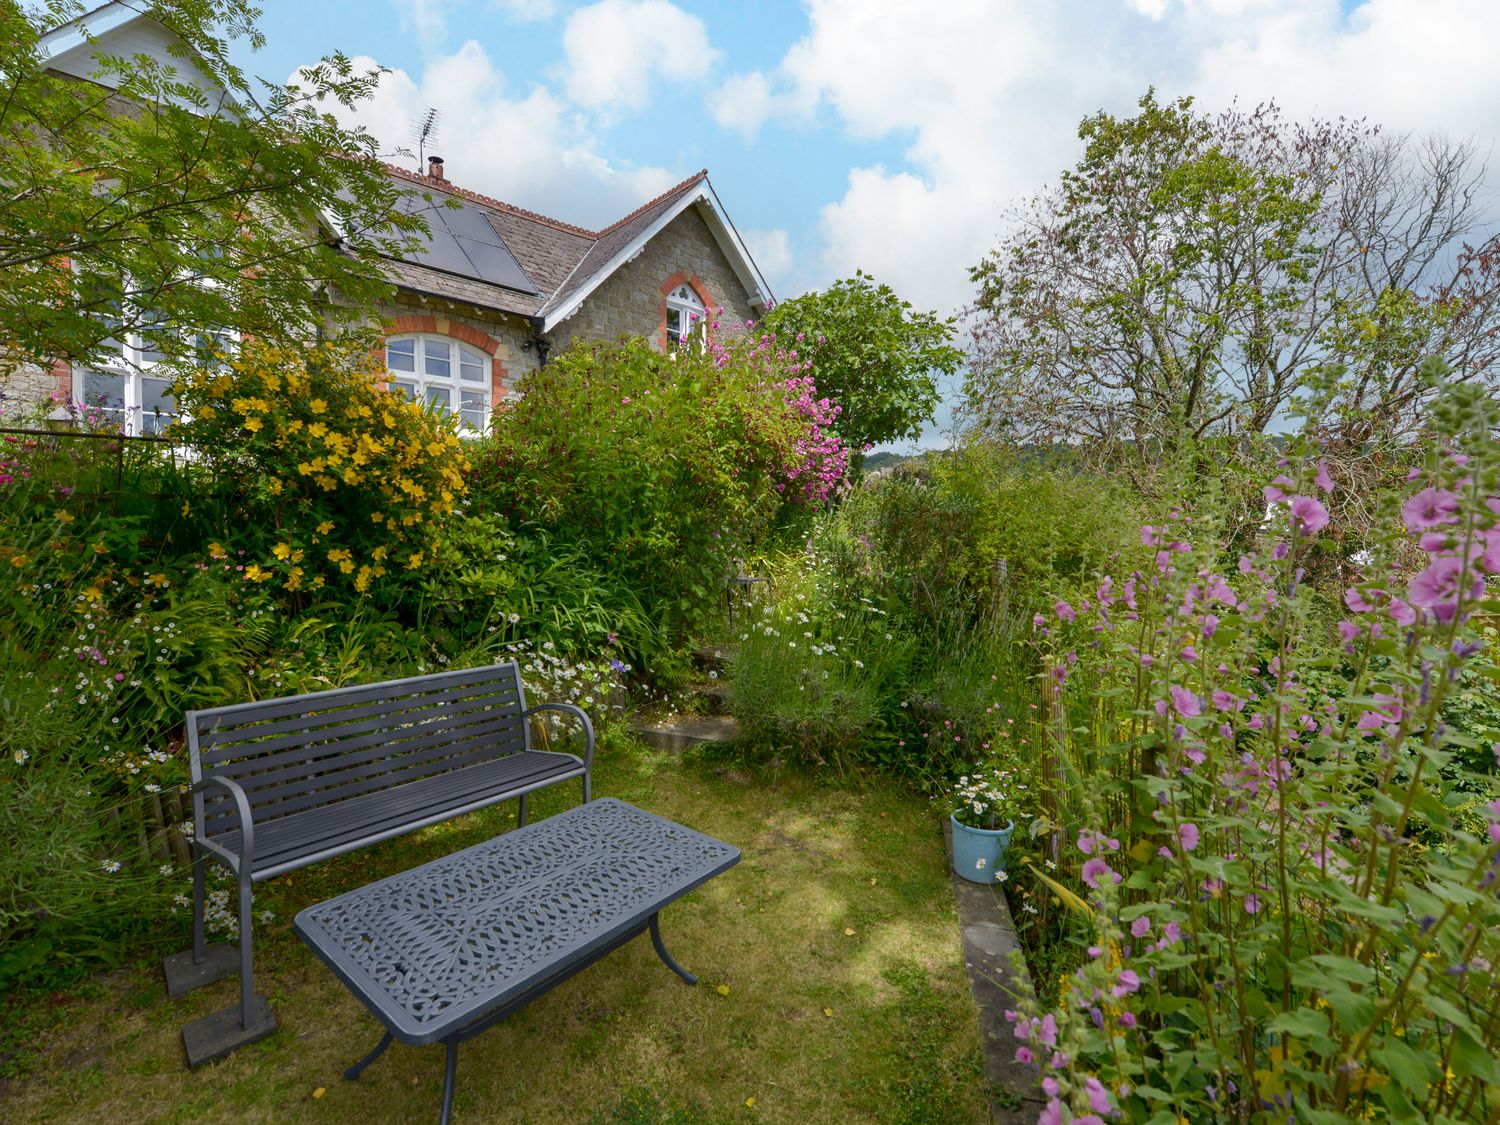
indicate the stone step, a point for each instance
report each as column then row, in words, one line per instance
column 680, row 732
column 712, row 696
column 713, row 658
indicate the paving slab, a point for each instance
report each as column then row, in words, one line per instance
column 680, row 732
column 989, row 937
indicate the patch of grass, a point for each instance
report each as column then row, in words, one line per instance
column 835, row 938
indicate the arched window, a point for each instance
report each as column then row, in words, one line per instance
column 452, row 376
column 685, row 316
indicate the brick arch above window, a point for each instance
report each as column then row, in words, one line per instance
column 668, row 287
column 411, row 324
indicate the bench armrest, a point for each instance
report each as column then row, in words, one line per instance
column 580, row 715
column 245, row 861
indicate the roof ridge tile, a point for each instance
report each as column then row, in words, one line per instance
column 702, row 174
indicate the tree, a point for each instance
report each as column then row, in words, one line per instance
column 157, row 208
column 872, row 353
column 1190, row 275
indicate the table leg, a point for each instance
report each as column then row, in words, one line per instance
column 661, row 951
column 358, row 1068
column 450, row 1080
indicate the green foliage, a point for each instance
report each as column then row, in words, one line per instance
column 875, row 355
column 656, row 469
column 183, row 214
column 1283, row 863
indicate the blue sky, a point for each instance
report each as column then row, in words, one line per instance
column 887, row 135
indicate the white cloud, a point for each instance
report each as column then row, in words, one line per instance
column 529, row 149
column 614, row 48
column 987, row 98
column 426, row 19
column 772, row 251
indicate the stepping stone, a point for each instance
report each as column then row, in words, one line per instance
column 680, row 732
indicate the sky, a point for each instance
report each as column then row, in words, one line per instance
column 893, row 136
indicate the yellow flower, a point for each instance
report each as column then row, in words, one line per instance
column 253, row 425
column 338, row 554
column 414, row 561
column 63, row 516
column 379, row 552
column 362, row 579
column 326, row 482
column 282, row 551
column 255, row 573
column 18, row 559
column 294, row 578
column 215, row 551
column 157, row 579
column 317, row 406
column 275, row 487
column 317, row 429
column 325, row 527
column 346, row 566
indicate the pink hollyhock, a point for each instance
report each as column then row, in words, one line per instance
column 1323, row 480
column 1140, row 927
column 1401, row 613
column 1098, row 1096
column 1441, row 585
column 1065, row 612
column 1051, row 1113
column 1348, row 630
column 1490, row 560
column 1046, row 1033
column 1185, row 702
column 1128, row 982
column 1094, row 869
column 1252, row 904
column 1429, row 508
column 1187, row 836
column 1310, row 513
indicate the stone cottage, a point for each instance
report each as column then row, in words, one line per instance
column 490, row 292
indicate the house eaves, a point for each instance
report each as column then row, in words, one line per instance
column 694, row 192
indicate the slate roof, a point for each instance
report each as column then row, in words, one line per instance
column 559, row 258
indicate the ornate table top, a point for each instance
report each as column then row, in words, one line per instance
column 441, row 946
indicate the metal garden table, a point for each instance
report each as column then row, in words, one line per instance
column 443, row 951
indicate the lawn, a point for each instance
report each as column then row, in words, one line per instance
column 833, row 989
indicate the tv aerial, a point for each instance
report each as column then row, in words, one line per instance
column 424, row 129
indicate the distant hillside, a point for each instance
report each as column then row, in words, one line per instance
column 875, row 462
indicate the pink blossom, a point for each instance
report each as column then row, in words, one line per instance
column 1224, row 701
column 1046, row 1032
column 1490, row 559
column 1434, row 541
column 1094, row 869
column 1252, row 904
column 1348, row 630
column 1065, row 612
column 1355, row 600
column 1098, row 1095
column 1310, row 514
column 1401, row 613
column 1429, row 508
column 1051, row 1113
column 1323, row 480
column 1148, row 536
column 1128, row 982
column 1023, row 1055
column 1185, row 702
column 1187, row 836
column 1140, row 927
column 1440, row 587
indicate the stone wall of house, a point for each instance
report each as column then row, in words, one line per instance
column 30, row 387
column 633, row 300
column 505, row 338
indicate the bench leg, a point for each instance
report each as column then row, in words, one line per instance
column 521, row 818
column 359, row 1068
column 204, row 963
column 217, row 1034
column 450, row 1081
column 661, row 951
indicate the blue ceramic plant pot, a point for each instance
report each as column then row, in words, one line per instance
column 979, row 853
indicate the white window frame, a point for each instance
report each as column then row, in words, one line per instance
column 133, row 361
column 686, row 308
column 468, row 374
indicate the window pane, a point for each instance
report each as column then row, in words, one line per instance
column 440, row 397
column 475, row 407
column 470, row 366
column 400, row 355
column 674, row 326
column 438, row 363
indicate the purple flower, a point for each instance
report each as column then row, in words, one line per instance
column 1429, row 508
column 1323, row 480
column 1252, row 904
column 1023, row 1055
column 1140, row 927
column 1441, row 585
column 1401, row 613
column 1051, row 1114
column 1310, row 513
column 1185, row 702
column 1172, row 933
column 1047, row 1030
column 1065, row 612
column 1098, row 1096
column 1187, row 836
column 1128, row 983
column 1094, row 869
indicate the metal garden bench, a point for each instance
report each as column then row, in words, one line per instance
column 283, row 783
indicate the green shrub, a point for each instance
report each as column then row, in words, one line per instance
column 657, row 470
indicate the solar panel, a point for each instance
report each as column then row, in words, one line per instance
column 463, row 242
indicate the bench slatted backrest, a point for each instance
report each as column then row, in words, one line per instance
column 311, row 751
